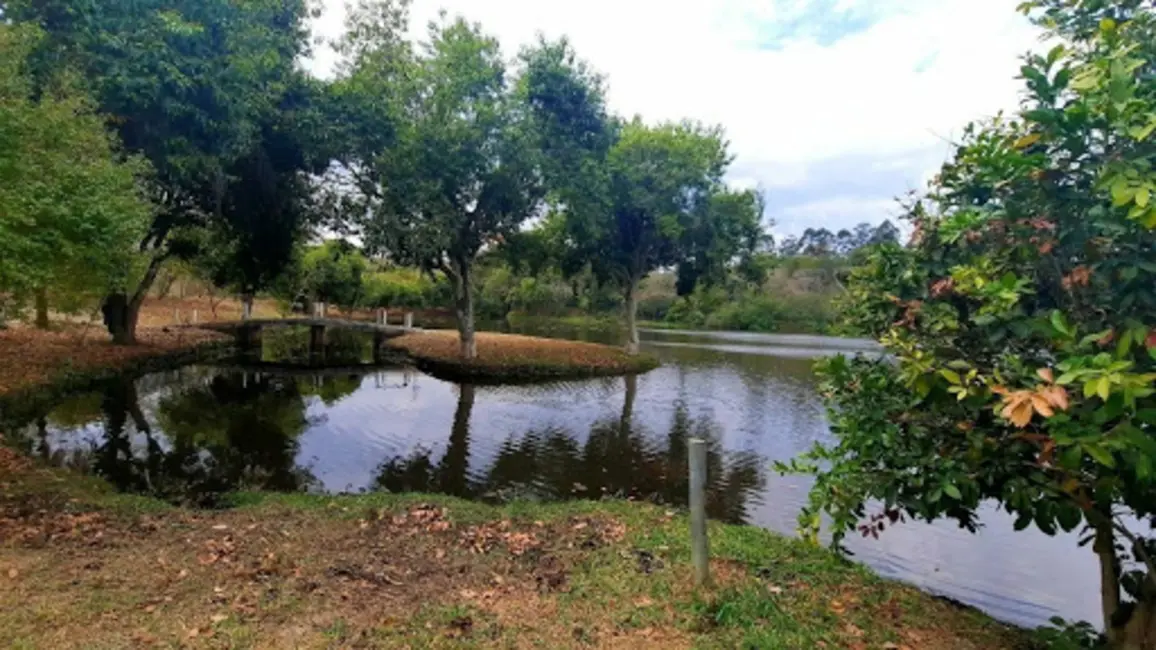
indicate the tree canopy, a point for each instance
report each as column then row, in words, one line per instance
column 192, row 86
column 462, row 173
column 72, row 205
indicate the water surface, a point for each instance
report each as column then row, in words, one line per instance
column 193, row 434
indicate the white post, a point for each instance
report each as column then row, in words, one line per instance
column 381, row 317
column 324, row 310
column 409, row 320
column 699, row 545
column 194, row 317
column 246, row 310
column 176, row 315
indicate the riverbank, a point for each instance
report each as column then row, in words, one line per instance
column 84, row 567
column 505, row 358
column 36, row 364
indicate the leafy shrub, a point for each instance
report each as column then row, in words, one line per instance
column 754, row 314
column 402, row 288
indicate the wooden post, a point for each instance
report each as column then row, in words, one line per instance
column 699, row 545
column 324, row 311
column 378, row 341
column 176, row 315
column 246, row 310
column 382, row 317
column 194, row 317
column 409, row 320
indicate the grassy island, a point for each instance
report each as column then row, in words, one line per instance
column 513, row 358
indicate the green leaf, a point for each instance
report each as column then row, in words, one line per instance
column 951, row 376
column 1060, row 322
column 1124, row 345
column 1023, row 521
column 1069, row 517
column 1100, row 455
column 1142, row 196
column 952, row 491
column 1090, row 387
column 1104, row 388
column 1072, row 457
column 1122, row 192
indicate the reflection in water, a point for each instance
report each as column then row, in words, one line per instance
column 417, row 473
column 191, row 434
column 618, row 459
column 198, row 434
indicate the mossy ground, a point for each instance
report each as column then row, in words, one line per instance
column 83, row 567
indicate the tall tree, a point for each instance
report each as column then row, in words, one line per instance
column 462, row 173
column 71, row 205
column 660, row 178
column 188, row 84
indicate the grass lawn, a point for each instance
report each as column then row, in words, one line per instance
column 81, row 567
column 511, row 357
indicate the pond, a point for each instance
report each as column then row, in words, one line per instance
column 193, row 434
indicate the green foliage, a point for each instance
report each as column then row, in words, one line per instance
column 402, row 288
column 333, row 272
column 461, row 170
column 1020, row 321
column 752, row 309
column 71, row 207
column 206, row 91
column 503, row 291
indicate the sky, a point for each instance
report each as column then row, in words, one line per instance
column 833, row 107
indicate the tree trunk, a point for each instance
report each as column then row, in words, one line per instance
column 42, row 308
column 632, row 343
column 1105, row 548
column 1139, row 633
column 121, row 313
column 464, row 306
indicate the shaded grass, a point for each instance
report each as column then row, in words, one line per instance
column 83, row 567
column 510, row 358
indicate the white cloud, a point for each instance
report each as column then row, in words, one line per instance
column 893, row 88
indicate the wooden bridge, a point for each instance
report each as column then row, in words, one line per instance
column 248, row 330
